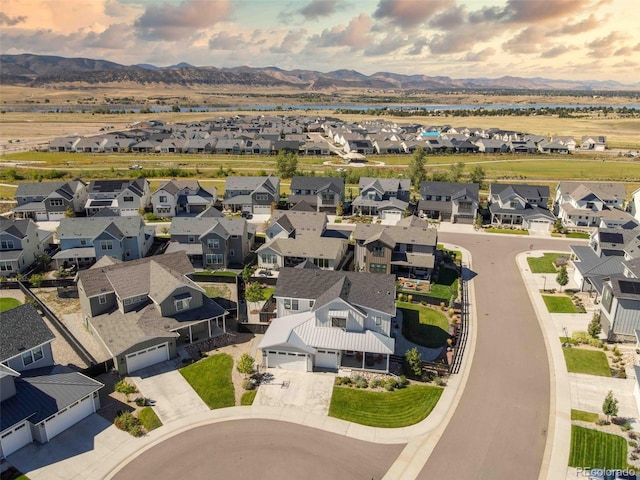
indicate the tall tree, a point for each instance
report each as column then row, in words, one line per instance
column 417, row 173
column 286, row 164
column 563, row 277
column 610, row 406
column 253, row 292
column 455, row 172
column 477, row 175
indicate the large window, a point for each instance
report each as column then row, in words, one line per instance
column 127, row 199
column 291, row 304
column 6, row 245
column 269, row 258
column 56, row 202
column 377, row 268
column 377, row 251
column 32, row 356
column 339, row 322
column 261, row 197
column 102, row 299
column 106, row 245
column 182, row 304
column 6, row 267
column 163, row 198
column 321, row 262
column 213, row 243
column 214, row 258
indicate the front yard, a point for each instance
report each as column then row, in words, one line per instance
column 591, row 362
column 399, row 408
column 507, row 231
column 544, row 264
column 211, row 379
column 423, row 325
column 559, row 304
column 592, row 448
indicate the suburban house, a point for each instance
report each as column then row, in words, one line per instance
column 83, row 240
column 407, row 248
column 596, row 143
column 142, row 311
column 21, row 242
column 620, row 305
column 328, row 320
column 209, row 242
column 251, row 194
column 324, row 193
column 386, row 198
column 38, row 399
column 634, row 205
column 585, row 204
column 520, row 204
column 182, row 197
column 449, row 201
column 48, row 201
column 125, row 197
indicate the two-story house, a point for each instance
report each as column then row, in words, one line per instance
column 595, row 143
column 177, row 197
column 253, row 195
column 141, row 311
column 49, row 201
column 327, row 319
column 449, row 201
column 620, row 305
column 386, row 198
column 210, row 242
column 21, row 242
column 324, row 193
column 83, row 240
column 38, row 399
column 585, row 204
column 520, row 204
column 407, row 248
column 125, row 197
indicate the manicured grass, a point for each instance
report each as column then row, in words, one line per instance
column 592, row 448
column 591, row 362
column 399, row 408
column 583, row 416
column 211, row 379
column 544, row 264
column 446, row 286
column 423, row 325
column 267, row 292
column 506, row 230
column 248, row 397
column 559, row 304
column 8, row 304
column 578, row 235
column 149, row 419
column 218, row 273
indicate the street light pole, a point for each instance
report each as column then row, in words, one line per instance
column 544, row 288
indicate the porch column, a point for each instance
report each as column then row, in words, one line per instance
column 209, row 325
column 224, row 323
column 190, row 336
column 388, row 357
column 364, row 354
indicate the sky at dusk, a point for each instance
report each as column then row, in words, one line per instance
column 561, row 39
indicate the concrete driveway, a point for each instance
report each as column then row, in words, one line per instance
column 307, row 391
column 588, row 393
column 173, row 397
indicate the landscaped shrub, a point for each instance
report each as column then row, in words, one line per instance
column 390, row 384
column 343, row 380
column 361, row 383
column 632, row 435
column 626, row 426
column 616, row 351
column 125, row 387
column 402, row 381
column 600, row 422
column 439, row 381
column 127, row 422
column 633, row 443
column 375, row 383
column 248, row 384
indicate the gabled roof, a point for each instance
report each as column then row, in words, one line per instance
column 210, row 212
column 269, row 184
column 307, row 247
column 299, row 221
column 18, row 228
column 383, row 185
column 602, row 190
column 91, row 227
column 449, row 189
column 302, row 206
column 525, row 191
column 116, row 186
column 21, row 329
column 402, row 233
column 200, row 226
column 315, row 184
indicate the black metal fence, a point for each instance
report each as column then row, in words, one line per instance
column 463, row 330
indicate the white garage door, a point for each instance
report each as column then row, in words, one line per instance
column 15, row 439
column 326, row 359
column 145, row 358
column 539, row 225
column 56, row 216
column 69, row 416
column 391, row 215
column 262, row 209
column 287, row 361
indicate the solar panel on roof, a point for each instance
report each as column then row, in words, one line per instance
column 629, row 287
column 611, row 237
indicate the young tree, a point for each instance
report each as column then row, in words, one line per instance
column 253, row 292
column 69, row 213
column 36, row 280
column 340, row 209
column 245, row 364
column 247, row 273
column 417, row 173
column 455, row 172
column 595, row 327
column 286, row 164
column 563, row 277
column 414, row 361
column 477, row 175
column 610, row 406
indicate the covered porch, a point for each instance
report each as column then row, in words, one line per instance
column 201, row 330
column 376, row 362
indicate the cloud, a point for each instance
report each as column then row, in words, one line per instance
column 459, row 40
column 11, row 21
column 526, row 11
column 117, row 36
column 418, row 45
column 452, row 18
column 627, row 50
column 41, row 41
column 527, row 41
column 355, row 35
column 225, row 41
column 585, row 25
column 409, row 13
column 390, row 43
column 291, row 40
column 482, row 55
column 169, row 22
column 318, row 8
column 556, row 51
column 604, row 46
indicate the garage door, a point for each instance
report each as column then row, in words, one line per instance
column 391, row 215
column 145, row 358
column 69, row 416
column 15, row 439
column 287, row 361
column 262, row 209
column 326, row 359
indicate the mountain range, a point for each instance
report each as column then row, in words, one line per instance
column 43, row 70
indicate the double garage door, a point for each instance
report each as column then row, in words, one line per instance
column 262, row 209
column 147, row 357
column 69, row 416
column 15, row 439
column 287, row 360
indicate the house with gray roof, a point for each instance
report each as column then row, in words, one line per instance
column 584, row 204
column 331, row 319
column 84, row 240
column 125, row 197
column 182, row 197
column 522, row 205
column 38, row 399
column 448, row 201
column 386, row 198
column 251, row 194
column 325, row 193
column 142, row 311
column 49, row 201
column 211, row 242
column 21, row 242
column 620, row 308
column 407, row 248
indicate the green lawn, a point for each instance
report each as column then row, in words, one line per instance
column 248, row 397
column 211, row 379
column 559, row 304
column 149, row 419
column 506, row 230
column 544, row 264
column 578, row 235
column 423, row 325
column 592, row 362
column 267, row 292
column 8, row 304
column 446, row 286
column 455, row 254
column 399, row 408
column 591, row 448
column 584, row 416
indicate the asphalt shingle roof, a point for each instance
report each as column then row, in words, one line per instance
column 21, row 329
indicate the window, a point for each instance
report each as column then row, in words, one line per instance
column 32, row 356
column 291, row 304
column 321, row 262
column 269, row 258
column 339, row 322
column 378, row 320
column 607, row 299
column 5, row 267
column 213, row 243
column 102, row 299
column 214, row 258
column 232, row 253
column 261, row 197
column 377, row 251
column 106, row 245
column 377, row 268
column 6, row 244
column 127, row 199
column 56, row 202
column 83, row 242
column 163, row 198
column 182, row 304
column 513, row 204
column 191, row 239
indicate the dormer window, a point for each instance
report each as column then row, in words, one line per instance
column 339, row 322
column 32, row 356
column 182, row 303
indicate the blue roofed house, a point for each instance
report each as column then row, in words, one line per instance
column 38, row 399
column 328, row 320
column 182, row 197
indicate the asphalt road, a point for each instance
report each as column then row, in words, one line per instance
column 261, row 449
column 499, row 430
